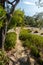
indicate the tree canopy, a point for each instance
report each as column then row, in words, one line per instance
column 17, row 18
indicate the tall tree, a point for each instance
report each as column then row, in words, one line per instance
column 6, row 21
column 18, row 18
column 39, row 3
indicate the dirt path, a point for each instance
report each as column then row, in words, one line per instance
column 18, row 47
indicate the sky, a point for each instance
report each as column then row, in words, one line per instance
column 29, row 7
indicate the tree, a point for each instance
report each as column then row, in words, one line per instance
column 29, row 21
column 39, row 3
column 17, row 18
column 7, row 19
column 2, row 13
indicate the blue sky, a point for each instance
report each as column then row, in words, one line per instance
column 29, row 7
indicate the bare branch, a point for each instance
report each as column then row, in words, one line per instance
column 13, row 5
column 13, row 1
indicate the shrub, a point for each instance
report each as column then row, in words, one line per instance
column 34, row 39
column 35, row 42
column 3, row 58
column 24, row 34
column 40, row 61
column 29, row 30
column 34, row 51
column 10, row 40
column 1, row 63
column 27, row 43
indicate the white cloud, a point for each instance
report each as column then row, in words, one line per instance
column 29, row 3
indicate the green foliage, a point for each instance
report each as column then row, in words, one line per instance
column 34, row 42
column 1, row 24
column 2, row 13
column 34, row 22
column 24, row 34
column 29, row 21
column 17, row 19
column 39, row 23
column 1, row 63
column 10, row 40
column 3, row 58
column 40, row 61
column 27, row 43
column 34, row 51
column 34, row 39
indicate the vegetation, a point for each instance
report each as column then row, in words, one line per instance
column 7, row 19
column 24, row 34
column 34, row 42
column 17, row 19
column 34, row 39
column 40, row 61
column 33, row 21
column 10, row 40
column 2, row 14
column 3, row 58
column 34, row 51
column 29, row 21
column 2, row 11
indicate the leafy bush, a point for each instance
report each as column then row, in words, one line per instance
column 34, row 51
column 3, row 58
column 24, row 34
column 27, row 43
column 31, row 40
column 40, row 61
column 10, row 40
column 1, row 63
column 34, row 39
column 17, row 18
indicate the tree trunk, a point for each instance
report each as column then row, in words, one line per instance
column 4, row 31
column 0, row 38
column 4, row 28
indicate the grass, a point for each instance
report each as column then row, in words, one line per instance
column 34, row 42
column 10, row 40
